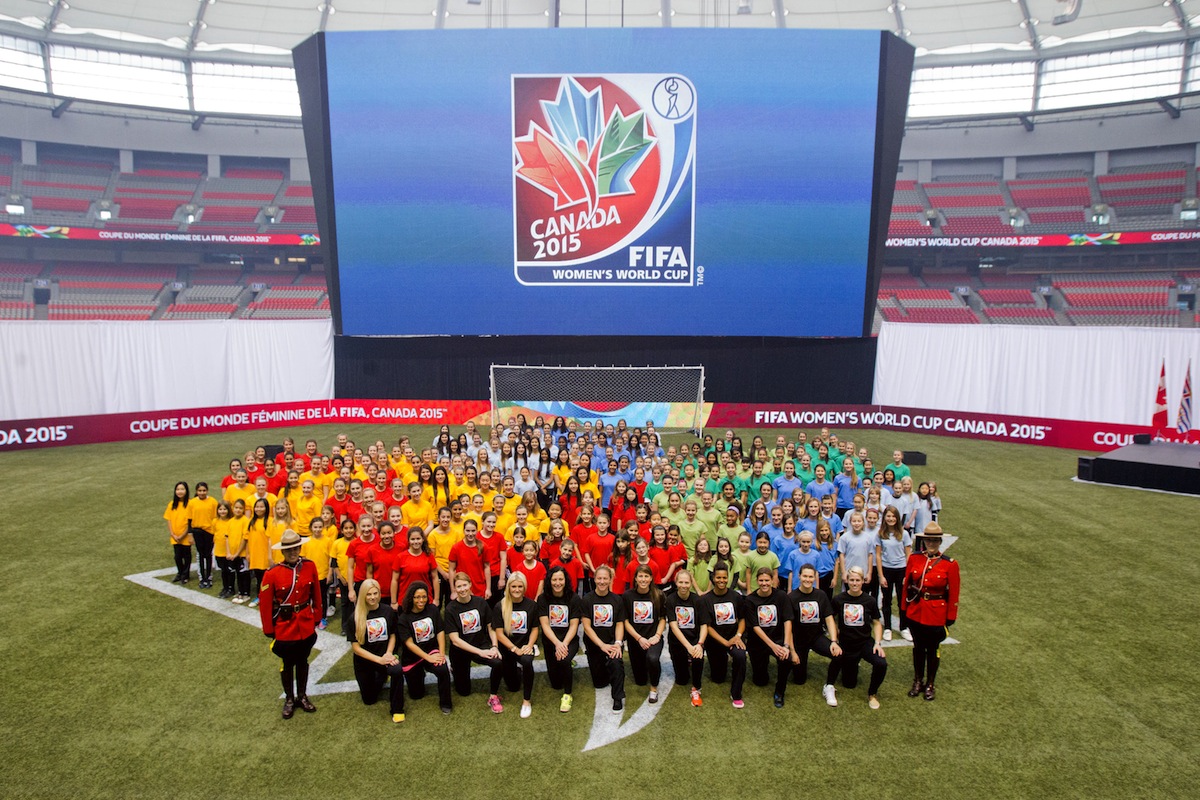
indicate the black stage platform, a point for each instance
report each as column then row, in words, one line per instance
column 1167, row 466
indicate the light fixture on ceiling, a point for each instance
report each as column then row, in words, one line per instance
column 14, row 205
column 744, row 7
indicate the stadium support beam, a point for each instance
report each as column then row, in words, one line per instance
column 896, row 9
column 439, row 14
column 52, row 20
column 1030, row 25
column 780, row 14
column 198, row 25
column 554, row 11
column 1180, row 17
column 664, row 11
column 326, row 9
column 1026, row 123
column 62, row 107
column 198, row 121
column 1167, row 106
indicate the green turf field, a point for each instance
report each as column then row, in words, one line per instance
column 1074, row 676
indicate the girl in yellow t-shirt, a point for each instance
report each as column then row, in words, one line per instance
column 258, row 546
column 220, row 533
column 316, row 550
column 239, row 547
column 179, row 529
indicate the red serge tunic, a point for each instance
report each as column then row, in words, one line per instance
column 295, row 586
column 937, row 602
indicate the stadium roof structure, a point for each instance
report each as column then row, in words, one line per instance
column 973, row 56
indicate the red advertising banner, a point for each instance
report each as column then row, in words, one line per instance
column 1047, row 240
column 53, row 432
column 106, row 235
column 1071, row 434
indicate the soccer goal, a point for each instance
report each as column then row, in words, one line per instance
column 672, row 397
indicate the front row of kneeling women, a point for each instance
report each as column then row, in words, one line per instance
column 721, row 625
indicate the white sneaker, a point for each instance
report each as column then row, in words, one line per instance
column 526, row 711
column 887, row 634
column 830, row 695
column 906, row 635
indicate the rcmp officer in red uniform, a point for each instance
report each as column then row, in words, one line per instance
column 290, row 607
column 930, row 601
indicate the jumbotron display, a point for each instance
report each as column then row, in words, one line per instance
column 648, row 182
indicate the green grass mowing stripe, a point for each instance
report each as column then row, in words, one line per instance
column 1074, row 677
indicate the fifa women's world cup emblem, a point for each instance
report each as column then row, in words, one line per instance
column 604, row 179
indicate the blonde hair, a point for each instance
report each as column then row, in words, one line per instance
column 506, row 605
column 361, row 610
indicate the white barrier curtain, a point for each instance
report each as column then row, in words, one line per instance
column 1097, row 374
column 79, row 368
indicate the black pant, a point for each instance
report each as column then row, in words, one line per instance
column 847, row 664
column 606, row 671
column 242, row 573
column 348, row 607
column 646, row 664
column 372, row 676
column 760, row 659
column 183, row 559
column 227, row 577
column 460, row 668
column 895, row 579
column 825, row 584
column 204, row 553
column 258, row 576
column 561, row 674
column 926, row 650
column 686, row 666
column 718, row 664
column 518, row 672
column 819, row 644
column 294, row 655
column 415, row 676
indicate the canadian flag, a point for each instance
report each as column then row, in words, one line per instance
column 1159, row 421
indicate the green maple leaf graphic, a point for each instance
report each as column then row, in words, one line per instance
column 622, row 148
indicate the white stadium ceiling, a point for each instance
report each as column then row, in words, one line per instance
column 974, row 57
column 273, row 27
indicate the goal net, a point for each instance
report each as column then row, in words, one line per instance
column 671, row 397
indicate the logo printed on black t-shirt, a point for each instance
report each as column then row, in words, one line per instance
column 558, row 616
column 810, row 612
column 469, row 620
column 643, row 612
column 377, row 630
column 685, row 616
column 724, row 613
column 768, row 616
column 422, row 629
column 602, row 615
column 853, row 614
column 519, row 622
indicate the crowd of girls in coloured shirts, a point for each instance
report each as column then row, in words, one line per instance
column 496, row 546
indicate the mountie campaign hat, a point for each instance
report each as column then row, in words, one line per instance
column 289, row 541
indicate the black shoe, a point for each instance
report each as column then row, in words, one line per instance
column 447, row 709
column 779, row 701
column 177, row 579
column 618, row 706
column 305, row 704
column 289, row 708
column 929, row 693
column 917, row 688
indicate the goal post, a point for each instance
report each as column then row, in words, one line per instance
column 671, row 396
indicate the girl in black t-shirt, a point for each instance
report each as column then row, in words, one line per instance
column 559, row 611
column 769, row 616
column 644, row 627
column 424, row 645
column 725, row 618
column 468, row 627
column 515, row 621
column 687, row 634
column 860, row 634
column 604, row 632
column 373, row 640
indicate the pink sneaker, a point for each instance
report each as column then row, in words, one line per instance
column 495, row 705
column 738, row 704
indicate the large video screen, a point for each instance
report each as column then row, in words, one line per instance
column 657, row 182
